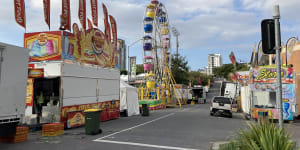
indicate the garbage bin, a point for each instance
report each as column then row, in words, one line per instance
column 145, row 110
column 92, row 121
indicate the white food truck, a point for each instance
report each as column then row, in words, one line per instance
column 13, row 77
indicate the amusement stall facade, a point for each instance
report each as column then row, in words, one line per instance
column 72, row 71
column 263, row 93
column 258, row 95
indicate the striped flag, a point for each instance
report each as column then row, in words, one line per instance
column 46, row 4
column 20, row 12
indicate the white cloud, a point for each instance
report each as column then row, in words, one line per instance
column 203, row 24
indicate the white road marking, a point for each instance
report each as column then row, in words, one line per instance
column 135, row 126
column 145, row 145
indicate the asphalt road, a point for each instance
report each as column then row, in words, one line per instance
column 190, row 127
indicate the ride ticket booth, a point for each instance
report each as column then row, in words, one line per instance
column 263, row 93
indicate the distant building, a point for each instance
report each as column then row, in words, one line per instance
column 122, row 50
column 214, row 60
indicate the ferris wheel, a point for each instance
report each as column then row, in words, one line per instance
column 156, row 40
column 159, row 86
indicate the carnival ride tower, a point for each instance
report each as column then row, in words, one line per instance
column 159, row 87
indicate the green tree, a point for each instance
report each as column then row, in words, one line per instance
column 139, row 69
column 223, row 71
column 226, row 69
column 180, row 69
column 194, row 75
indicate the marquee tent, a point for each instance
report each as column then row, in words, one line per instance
column 129, row 99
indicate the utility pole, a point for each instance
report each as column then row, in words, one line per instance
column 176, row 33
column 276, row 17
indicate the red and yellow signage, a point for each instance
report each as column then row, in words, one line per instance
column 75, row 119
column 43, row 45
column 82, row 13
column 90, row 47
column 268, row 74
column 29, row 93
column 36, row 73
column 70, row 116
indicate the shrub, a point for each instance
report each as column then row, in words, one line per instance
column 264, row 135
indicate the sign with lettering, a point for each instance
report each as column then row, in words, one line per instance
column 20, row 12
column 29, row 92
column 36, row 73
column 75, row 119
column 243, row 77
column 268, row 74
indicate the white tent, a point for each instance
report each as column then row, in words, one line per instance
column 245, row 99
column 124, row 78
column 129, row 99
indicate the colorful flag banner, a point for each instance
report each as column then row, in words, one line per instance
column 113, row 25
column 253, row 61
column 82, row 13
column 94, row 8
column 132, row 74
column 90, row 25
column 106, row 24
column 232, row 59
column 46, row 4
column 20, row 12
column 66, row 13
column 290, row 44
column 199, row 80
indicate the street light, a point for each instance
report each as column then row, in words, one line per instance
column 128, row 72
column 286, row 49
column 176, row 33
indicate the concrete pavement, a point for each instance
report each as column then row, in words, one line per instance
column 188, row 128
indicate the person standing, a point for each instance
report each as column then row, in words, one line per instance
column 40, row 102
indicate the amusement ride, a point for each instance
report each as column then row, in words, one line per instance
column 159, row 89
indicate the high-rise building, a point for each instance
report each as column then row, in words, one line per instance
column 214, row 60
column 122, row 50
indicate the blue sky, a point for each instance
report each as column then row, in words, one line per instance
column 206, row 26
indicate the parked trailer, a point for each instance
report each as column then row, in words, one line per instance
column 69, row 89
column 13, row 78
column 197, row 94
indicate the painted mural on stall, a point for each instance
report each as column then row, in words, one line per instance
column 90, row 47
column 43, row 46
column 73, row 116
column 289, row 100
column 268, row 74
column 264, row 79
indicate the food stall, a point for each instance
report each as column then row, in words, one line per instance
column 71, row 72
column 263, row 92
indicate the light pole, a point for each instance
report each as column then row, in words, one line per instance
column 276, row 17
column 176, row 33
column 129, row 72
column 286, row 49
